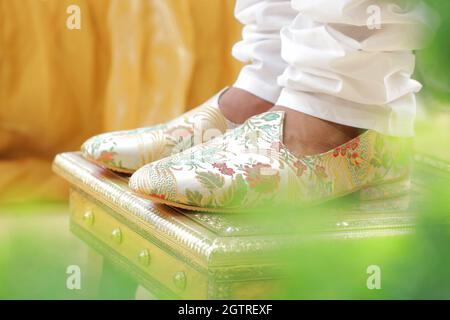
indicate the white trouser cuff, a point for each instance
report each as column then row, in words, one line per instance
column 395, row 119
column 262, row 86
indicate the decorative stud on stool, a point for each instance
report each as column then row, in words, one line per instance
column 89, row 217
column 144, row 257
column 179, row 279
column 116, row 235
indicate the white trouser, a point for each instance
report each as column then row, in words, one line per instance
column 345, row 61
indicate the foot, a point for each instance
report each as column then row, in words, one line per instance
column 127, row 151
column 306, row 135
column 238, row 105
column 248, row 168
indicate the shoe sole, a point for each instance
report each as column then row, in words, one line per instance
column 397, row 201
column 190, row 208
column 105, row 166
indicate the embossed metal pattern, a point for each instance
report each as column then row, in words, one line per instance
column 111, row 189
column 172, row 272
column 433, row 163
column 207, row 239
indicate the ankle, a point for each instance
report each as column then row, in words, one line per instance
column 307, row 135
column 238, row 105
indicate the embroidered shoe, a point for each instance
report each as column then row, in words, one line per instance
column 249, row 168
column 126, row 151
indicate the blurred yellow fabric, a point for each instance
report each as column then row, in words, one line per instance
column 133, row 63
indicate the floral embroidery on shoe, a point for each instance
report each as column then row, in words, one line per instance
column 262, row 178
column 223, row 168
column 106, row 156
column 180, row 132
column 127, row 151
column 381, row 158
column 109, row 157
column 250, row 168
column 270, row 116
column 355, row 159
column 210, row 180
column 321, row 172
column 347, row 149
column 277, row 146
column 301, row 168
column 350, row 150
column 194, row 197
column 158, row 196
column 354, row 144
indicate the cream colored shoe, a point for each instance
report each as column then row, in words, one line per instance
column 127, row 151
column 249, row 168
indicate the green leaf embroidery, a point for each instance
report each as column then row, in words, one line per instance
column 194, row 197
column 379, row 145
column 210, row 181
column 386, row 160
column 375, row 163
column 266, row 127
column 235, row 194
column 209, row 202
column 270, row 116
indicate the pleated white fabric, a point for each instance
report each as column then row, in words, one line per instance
column 261, row 45
column 345, row 61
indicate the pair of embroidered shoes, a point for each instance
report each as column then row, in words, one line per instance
column 247, row 167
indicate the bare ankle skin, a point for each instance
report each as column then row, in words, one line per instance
column 307, row 135
column 238, row 105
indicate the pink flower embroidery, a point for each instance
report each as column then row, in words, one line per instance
column 277, row 145
column 355, row 159
column 180, row 132
column 337, row 152
column 106, row 156
column 223, row 168
column 345, row 150
column 159, row 196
